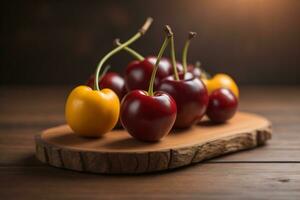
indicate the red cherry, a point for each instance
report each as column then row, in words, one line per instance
column 111, row 80
column 90, row 82
column 138, row 73
column 148, row 118
column 114, row 82
column 194, row 70
column 222, row 105
column 190, row 95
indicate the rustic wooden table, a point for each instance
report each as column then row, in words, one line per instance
column 269, row 172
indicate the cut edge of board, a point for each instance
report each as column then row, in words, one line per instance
column 145, row 162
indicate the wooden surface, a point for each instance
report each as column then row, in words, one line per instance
column 269, row 172
column 118, row 153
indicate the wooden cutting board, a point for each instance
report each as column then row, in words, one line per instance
column 118, row 153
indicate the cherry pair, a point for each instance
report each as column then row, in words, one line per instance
column 150, row 116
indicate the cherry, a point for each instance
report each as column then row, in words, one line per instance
column 111, row 80
column 149, row 116
column 114, row 81
column 188, row 91
column 191, row 98
column 195, row 69
column 91, row 81
column 222, row 105
column 138, row 72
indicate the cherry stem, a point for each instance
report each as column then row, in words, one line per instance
column 141, row 32
column 131, row 51
column 198, row 64
column 105, row 70
column 161, row 52
column 185, row 50
column 173, row 58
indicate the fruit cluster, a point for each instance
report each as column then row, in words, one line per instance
column 156, row 94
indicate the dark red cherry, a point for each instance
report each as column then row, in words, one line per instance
column 112, row 81
column 190, row 95
column 222, row 105
column 166, row 64
column 148, row 118
column 138, row 73
column 90, row 82
column 194, row 70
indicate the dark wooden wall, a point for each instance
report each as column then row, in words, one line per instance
column 60, row 42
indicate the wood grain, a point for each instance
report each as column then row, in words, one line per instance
column 269, row 172
column 118, row 153
column 204, row 181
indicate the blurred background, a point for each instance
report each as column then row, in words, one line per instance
column 61, row 42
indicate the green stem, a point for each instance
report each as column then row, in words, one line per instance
column 185, row 51
column 184, row 55
column 103, row 74
column 141, row 32
column 198, row 64
column 161, row 51
column 131, row 51
column 173, row 58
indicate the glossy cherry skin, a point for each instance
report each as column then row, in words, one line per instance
column 90, row 81
column 222, row 105
column 138, row 73
column 190, row 95
column 112, row 81
column 194, row 70
column 148, row 118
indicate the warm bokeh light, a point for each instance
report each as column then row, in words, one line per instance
column 246, row 38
